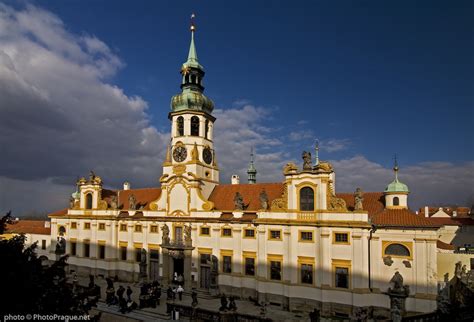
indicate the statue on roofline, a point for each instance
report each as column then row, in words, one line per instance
column 264, row 200
column 238, row 201
column 166, row 234
column 358, row 199
column 307, row 162
column 132, row 202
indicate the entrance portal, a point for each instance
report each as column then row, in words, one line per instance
column 178, row 266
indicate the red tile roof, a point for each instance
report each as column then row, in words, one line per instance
column 461, row 212
column 443, row 221
column 29, row 227
column 401, row 218
column 223, row 195
column 443, row 245
column 143, row 196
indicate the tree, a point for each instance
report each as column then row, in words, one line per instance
column 30, row 287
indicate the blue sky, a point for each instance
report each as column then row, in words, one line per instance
column 367, row 78
column 393, row 77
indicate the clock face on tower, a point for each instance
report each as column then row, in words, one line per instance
column 207, row 155
column 179, row 154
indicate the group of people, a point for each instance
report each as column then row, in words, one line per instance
column 118, row 298
column 172, row 292
column 150, row 294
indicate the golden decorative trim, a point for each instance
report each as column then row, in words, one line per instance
column 208, row 206
column 408, row 245
column 153, row 206
column 179, row 169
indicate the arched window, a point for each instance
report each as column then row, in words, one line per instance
column 193, row 79
column 206, row 129
column 180, row 126
column 396, row 201
column 61, row 231
column 195, row 126
column 397, row 250
column 306, row 199
column 89, row 201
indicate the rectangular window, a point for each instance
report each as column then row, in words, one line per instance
column 227, row 264
column 250, row 266
column 87, row 225
column 87, row 249
column 275, row 234
column 102, row 251
column 306, row 273
column 123, row 227
column 205, row 231
column 101, row 226
column 306, row 235
column 342, row 277
column 74, row 225
column 153, row 228
column 43, row 244
column 341, row 238
column 226, row 232
column 205, row 258
column 138, row 254
column 123, row 253
column 138, row 228
column 275, row 270
column 249, row 233
column 73, row 249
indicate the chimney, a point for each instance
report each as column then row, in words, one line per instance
column 235, row 179
column 47, row 224
column 126, row 185
column 455, row 213
column 427, row 212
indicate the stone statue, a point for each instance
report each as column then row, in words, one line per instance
column 143, row 264
column 395, row 314
column 187, row 234
column 113, row 202
column 458, row 270
column 358, row 199
column 238, row 201
column 132, row 202
column 307, row 162
column 91, row 175
column 264, row 200
column 71, row 202
column 290, row 168
column 397, row 282
column 166, row 234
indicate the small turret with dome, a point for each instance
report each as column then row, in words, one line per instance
column 396, row 193
column 251, row 171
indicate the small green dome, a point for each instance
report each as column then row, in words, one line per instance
column 191, row 100
column 397, row 186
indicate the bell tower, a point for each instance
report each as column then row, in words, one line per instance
column 191, row 149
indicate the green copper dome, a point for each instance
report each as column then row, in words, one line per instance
column 396, row 185
column 191, row 100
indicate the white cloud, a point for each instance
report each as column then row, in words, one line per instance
column 334, row 145
column 301, row 135
column 430, row 183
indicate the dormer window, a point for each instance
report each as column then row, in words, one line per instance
column 307, row 199
column 89, row 201
column 195, row 126
column 180, row 126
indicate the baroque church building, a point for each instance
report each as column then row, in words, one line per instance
column 297, row 243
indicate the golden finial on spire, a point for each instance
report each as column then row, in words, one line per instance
column 193, row 27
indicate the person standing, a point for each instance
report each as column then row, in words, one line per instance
column 120, row 292
column 129, row 293
column 180, row 291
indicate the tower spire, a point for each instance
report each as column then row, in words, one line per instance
column 192, row 55
column 316, row 153
column 395, row 167
column 251, row 171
